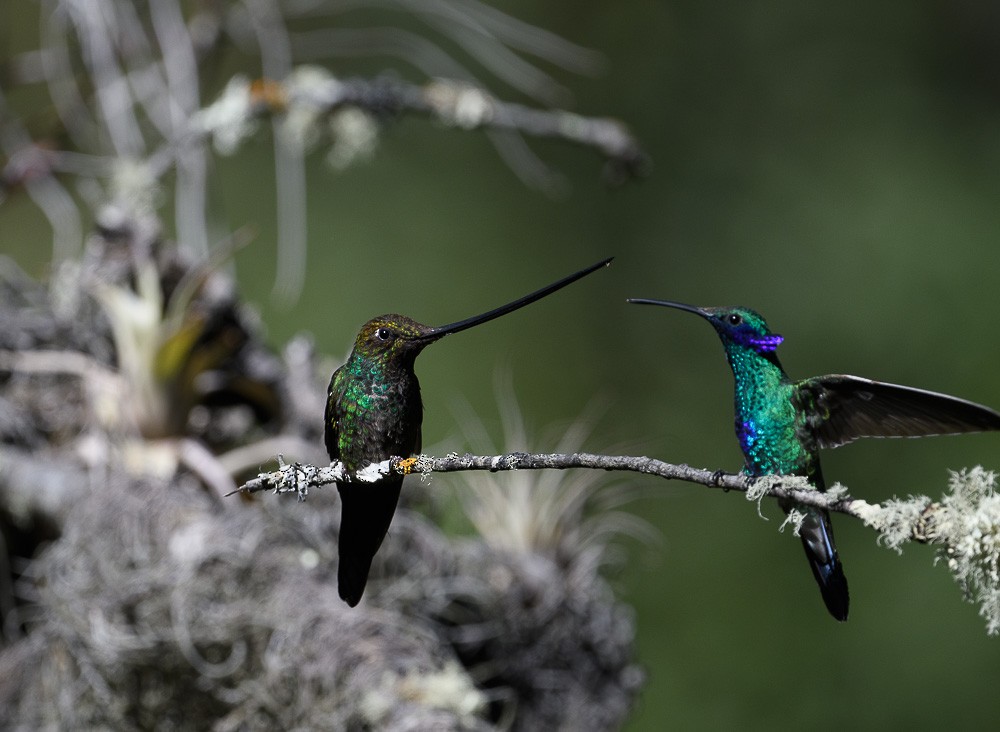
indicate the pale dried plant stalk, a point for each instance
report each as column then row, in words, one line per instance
column 569, row 515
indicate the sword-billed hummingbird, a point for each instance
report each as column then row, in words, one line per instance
column 373, row 412
column 782, row 424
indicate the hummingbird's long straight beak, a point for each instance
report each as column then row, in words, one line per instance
column 669, row 304
column 444, row 330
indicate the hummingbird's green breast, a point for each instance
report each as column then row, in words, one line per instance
column 769, row 427
column 375, row 410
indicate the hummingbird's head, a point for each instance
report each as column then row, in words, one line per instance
column 742, row 326
column 735, row 325
column 397, row 339
column 393, row 337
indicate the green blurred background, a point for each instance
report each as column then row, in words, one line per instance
column 836, row 168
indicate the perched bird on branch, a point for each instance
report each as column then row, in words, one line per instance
column 782, row 424
column 373, row 412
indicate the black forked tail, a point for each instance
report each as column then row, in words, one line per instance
column 364, row 520
column 817, row 539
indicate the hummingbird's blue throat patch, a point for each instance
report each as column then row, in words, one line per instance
column 763, row 343
column 767, row 343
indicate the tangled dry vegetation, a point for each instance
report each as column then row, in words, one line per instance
column 135, row 598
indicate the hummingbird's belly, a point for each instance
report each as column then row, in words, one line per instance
column 375, row 436
column 771, row 449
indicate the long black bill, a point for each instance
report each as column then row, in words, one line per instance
column 444, row 330
column 668, row 304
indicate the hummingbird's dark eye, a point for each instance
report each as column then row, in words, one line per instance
column 383, row 334
column 735, row 319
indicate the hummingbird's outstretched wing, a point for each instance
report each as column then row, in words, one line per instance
column 841, row 408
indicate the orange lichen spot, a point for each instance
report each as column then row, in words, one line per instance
column 408, row 465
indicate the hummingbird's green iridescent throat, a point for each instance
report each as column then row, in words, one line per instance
column 374, row 412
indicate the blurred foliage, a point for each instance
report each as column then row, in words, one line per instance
column 835, row 167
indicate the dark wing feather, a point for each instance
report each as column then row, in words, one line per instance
column 330, row 433
column 841, row 408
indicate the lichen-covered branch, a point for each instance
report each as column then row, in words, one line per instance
column 299, row 478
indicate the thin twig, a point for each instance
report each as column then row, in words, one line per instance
column 470, row 107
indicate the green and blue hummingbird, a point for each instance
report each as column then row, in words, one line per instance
column 373, row 412
column 782, row 424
